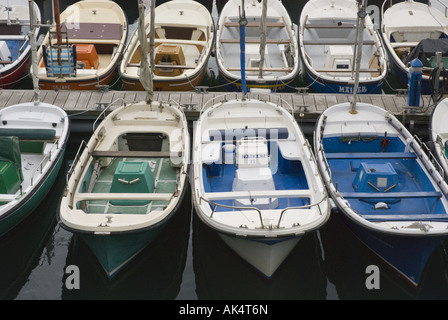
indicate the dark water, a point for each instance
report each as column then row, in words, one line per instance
column 189, row 262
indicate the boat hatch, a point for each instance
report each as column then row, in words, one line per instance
column 253, row 173
column 339, row 58
column 376, row 177
column 132, row 177
column 169, row 55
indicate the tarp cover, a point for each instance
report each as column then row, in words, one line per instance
column 426, row 49
column 10, row 151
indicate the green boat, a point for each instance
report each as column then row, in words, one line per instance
column 33, row 138
column 128, row 181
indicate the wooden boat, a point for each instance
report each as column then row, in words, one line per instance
column 385, row 186
column 328, row 43
column 278, row 64
column 410, row 30
column 438, row 135
column 129, row 179
column 255, row 180
column 184, row 38
column 90, row 39
column 15, row 50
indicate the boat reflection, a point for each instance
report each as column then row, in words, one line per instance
column 156, row 273
column 347, row 259
column 221, row 274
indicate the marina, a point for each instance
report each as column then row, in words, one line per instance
column 231, row 200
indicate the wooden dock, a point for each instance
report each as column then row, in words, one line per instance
column 307, row 106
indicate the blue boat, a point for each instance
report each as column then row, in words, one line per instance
column 386, row 188
column 328, row 46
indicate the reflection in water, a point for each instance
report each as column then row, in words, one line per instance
column 221, row 274
column 346, row 261
column 156, row 273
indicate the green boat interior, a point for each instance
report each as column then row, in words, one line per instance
column 18, row 145
column 131, row 174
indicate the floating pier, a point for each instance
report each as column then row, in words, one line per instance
column 306, row 106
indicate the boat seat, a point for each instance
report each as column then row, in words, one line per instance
column 406, row 217
column 370, row 155
column 330, row 25
column 29, row 134
column 268, row 41
column 332, row 43
column 255, row 24
column 135, row 154
column 403, row 44
column 238, row 133
column 373, row 195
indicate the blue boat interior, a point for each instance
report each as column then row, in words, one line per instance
column 382, row 180
column 287, row 174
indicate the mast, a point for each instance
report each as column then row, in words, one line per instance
column 262, row 37
column 57, row 19
column 359, row 31
column 146, row 66
column 32, row 36
column 243, row 23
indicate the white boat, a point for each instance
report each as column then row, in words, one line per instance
column 386, row 188
column 84, row 49
column 255, row 180
column 414, row 30
column 184, row 39
column 130, row 177
column 328, row 45
column 438, row 135
column 270, row 43
column 15, row 49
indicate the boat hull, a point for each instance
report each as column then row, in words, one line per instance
column 23, row 209
column 320, row 85
column 10, row 78
column 116, row 250
column 407, row 255
column 264, row 255
column 79, row 83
